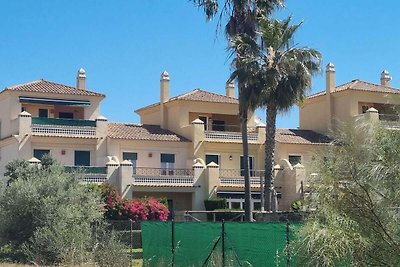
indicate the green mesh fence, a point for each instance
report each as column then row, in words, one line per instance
column 216, row 244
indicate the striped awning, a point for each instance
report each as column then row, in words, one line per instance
column 53, row 101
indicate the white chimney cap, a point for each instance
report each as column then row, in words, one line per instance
column 82, row 73
column 330, row 67
column 164, row 75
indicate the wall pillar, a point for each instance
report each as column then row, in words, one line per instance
column 125, row 179
column 372, row 115
column 212, row 176
column 199, row 185
column 261, row 133
column 25, row 123
column 198, row 137
column 101, row 133
column 112, row 172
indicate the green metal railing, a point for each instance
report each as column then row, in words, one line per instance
column 64, row 122
column 86, row 169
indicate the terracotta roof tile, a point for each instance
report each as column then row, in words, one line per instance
column 43, row 86
column 199, row 95
column 358, row 85
column 306, row 137
column 142, row 132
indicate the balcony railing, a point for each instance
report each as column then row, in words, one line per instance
column 230, row 132
column 163, row 176
column 237, row 173
column 238, row 181
column 90, row 174
column 390, row 120
column 63, row 126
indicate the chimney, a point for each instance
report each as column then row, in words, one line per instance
column 230, row 89
column 385, row 78
column 164, row 97
column 164, row 87
column 81, row 79
column 330, row 78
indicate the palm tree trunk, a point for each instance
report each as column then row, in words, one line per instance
column 269, row 153
column 245, row 142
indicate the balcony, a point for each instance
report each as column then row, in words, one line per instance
column 234, row 177
column 63, row 126
column 390, row 120
column 90, row 174
column 162, row 177
column 229, row 132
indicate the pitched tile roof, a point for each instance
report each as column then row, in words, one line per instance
column 199, row 95
column 305, row 137
column 43, row 86
column 358, row 85
column 142, row 132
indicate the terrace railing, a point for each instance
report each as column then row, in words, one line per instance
column 163, row 176
column 228, row 132
column 390, row 120
column 235, row 177
column 63, row 126
column 89, row 174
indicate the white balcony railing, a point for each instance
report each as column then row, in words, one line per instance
column 229, row 135
column 163, row 176
column 63, row 126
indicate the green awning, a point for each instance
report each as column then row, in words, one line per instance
column 53, row 101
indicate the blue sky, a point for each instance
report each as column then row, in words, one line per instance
column 125, row 45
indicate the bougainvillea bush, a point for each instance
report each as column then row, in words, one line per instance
column 118, row 208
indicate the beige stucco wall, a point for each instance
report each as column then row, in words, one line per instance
column 69, row 145
column 8, row 152
column 149, row 152
column 314, row 115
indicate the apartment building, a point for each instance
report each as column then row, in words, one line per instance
column 186, row 148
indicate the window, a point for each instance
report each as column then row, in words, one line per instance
column 212, row 158
column 66, row 115
column 43, row 113
column 364, row 108
column 132, row 157
column 82, row 158
column 167, row 164
column 251, row 166
column 40, row 153
column 218, row 125
column 205, row 120
column 294, row 159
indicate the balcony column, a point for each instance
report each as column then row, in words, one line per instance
column 212, row 179
column 101, row 133
column 198, row 137
column 261, row 133
column 25, row 123
column 112, row 171
column 372, row 115
column 125, row 178
column 199, row 185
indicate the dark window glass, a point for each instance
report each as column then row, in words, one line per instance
column 82, row 158
column 205, row 120
column 218, row 125
column 129, row 156
column 66, row 115
column 43, row 113
column 294, row 159
column 39, row 153
column 212, row 158
column 170, row 158
column 251, row 166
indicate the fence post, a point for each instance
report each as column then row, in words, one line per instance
column 131, row 243
column 223, row 243
column 172, row 242
column 287, row 245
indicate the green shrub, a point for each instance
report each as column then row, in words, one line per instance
column 215, row 203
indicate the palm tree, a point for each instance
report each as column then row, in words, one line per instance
column 287, row 74
column 243, row 17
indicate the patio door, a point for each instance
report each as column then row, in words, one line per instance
column 167, row 164
column 251, row 166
